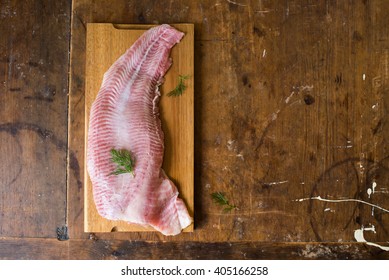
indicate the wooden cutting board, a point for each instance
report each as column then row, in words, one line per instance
column 105, row 43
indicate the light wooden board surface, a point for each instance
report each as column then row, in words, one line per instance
column 105, row 43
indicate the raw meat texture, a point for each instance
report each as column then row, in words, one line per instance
column 125, row 116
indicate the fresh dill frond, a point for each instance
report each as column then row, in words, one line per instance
column 124, row 160
column 181, row 87
column 219, row 198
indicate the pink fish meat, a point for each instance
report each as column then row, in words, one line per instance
column 125, row 116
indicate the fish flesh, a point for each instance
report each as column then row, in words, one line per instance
column 125, row 116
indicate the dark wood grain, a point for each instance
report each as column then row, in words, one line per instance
column 93, row 248
column 34, row 46
column 33, row 249
column 289, row 103
column 114, row 249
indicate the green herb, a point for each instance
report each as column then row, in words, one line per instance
column 219, row 198
column 124, row 160
column 179, row 89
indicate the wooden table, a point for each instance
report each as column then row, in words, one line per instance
column 291, row 102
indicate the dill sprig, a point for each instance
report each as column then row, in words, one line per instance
column 181, row 87
column 124, row 160
column 219, row 198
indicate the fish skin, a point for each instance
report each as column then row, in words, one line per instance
column 125, row 115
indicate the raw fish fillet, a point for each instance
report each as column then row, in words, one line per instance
column 125, row 116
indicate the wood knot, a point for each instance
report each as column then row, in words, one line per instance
column 309, row 99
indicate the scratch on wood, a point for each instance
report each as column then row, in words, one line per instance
column 235, row 3
column 262, row 12
column 249, row 213
column 385, row 65
column 276, row 183
column 80, row 20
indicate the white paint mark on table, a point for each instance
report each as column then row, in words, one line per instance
column 363, row 76
column 274, row 116
column 359, row 237
column 289, row 97
column 371, row 190
column 374, row 186
column 343, row 200
column 240, row 156
column 359, row 233
column 226, row 168
column 230, row 145
column 276, row 183
column 306, row 87
column 264, row 53
column 261, row 205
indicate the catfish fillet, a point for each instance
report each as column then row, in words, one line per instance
column 125, row 116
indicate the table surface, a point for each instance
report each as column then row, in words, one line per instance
column 290, row 110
